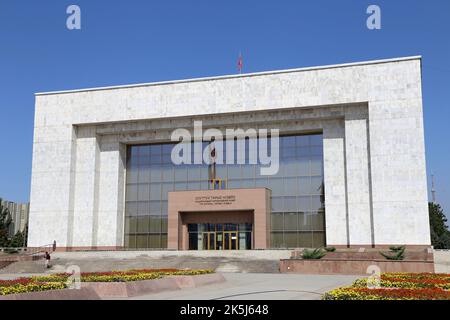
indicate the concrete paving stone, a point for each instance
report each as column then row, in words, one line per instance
column 254, row 286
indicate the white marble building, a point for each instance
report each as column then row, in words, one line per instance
column 370, row 115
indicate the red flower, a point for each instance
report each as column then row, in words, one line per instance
column 421, row 294
column 15, row 282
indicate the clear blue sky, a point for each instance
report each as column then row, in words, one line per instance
column 124, row 42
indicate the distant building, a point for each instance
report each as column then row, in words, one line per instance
column 19, row 214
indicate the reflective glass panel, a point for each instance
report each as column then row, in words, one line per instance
column 298, row 199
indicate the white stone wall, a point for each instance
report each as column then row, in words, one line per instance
column 358, row 177
column 375, row 175
column 335, row 183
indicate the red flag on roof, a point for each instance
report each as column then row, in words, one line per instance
column 240, row 63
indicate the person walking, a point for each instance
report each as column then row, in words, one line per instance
column 47, row 260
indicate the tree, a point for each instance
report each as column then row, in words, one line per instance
column 17, row 241
column 5, row 222
column 25, row 236
column 440, row 235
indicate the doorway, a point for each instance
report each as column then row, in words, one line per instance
column 227, row 236
column 230, row 240
column 209, row 241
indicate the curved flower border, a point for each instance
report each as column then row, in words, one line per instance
column 397, row 286
column 60, row 281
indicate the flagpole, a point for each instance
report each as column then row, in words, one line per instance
column 240, row 66
column 242, row 63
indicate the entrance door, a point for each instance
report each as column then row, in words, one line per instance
column 209, row 241
column 230, row 240
column 220, row 236
column 219, row 241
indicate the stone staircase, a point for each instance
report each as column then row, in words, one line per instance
column 218, row 264
column 28, row 267
column 90, row 263
column 4, row 264
column 19, row 262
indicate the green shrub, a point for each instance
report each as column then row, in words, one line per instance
column 396, row 253
column 330, row 249
column 313, row 254
column 11, row 251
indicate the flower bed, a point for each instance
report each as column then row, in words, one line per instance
column 122, row 276
column 59, row 281
column 351, row 293
column 409, row 281
column 397, row 286
column 27, row 285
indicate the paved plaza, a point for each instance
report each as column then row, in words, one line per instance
column 253, row 286
column 251, row 275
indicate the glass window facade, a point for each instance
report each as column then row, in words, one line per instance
column 298, row 200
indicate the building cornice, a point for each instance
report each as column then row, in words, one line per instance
column 246, row 75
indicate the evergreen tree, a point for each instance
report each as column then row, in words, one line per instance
column 17, row 241
column 5, row 222
column 440, row 235
column 25, row 236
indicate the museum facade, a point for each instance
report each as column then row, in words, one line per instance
column 321, row 156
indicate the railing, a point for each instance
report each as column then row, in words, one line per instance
column 26, row 251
